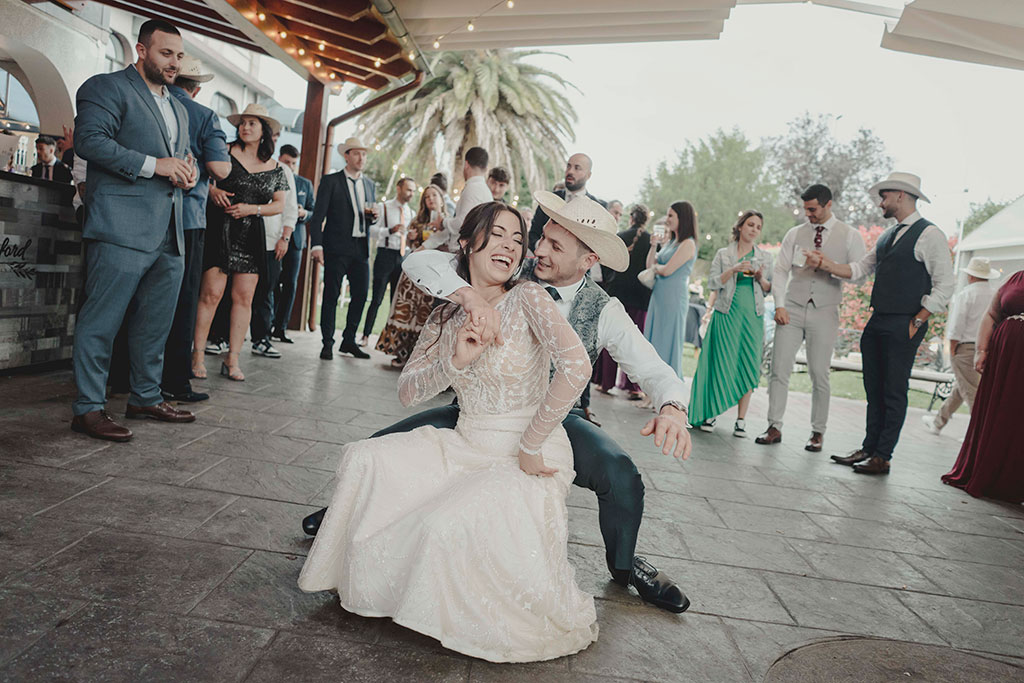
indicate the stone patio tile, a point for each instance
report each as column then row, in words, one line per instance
column 306, row 659
column 971, row 548
column 249, row 402
column 788, row 499
column 742, row 549
column 259, row 479
column 251, row 445
column 676, row 508
column 241, row 418
column 861, row 565
column 322, row 456
column 720, row 470
column 810, row 481
column 584, row 498
column 974, row 523
column 25, row 617
column 867, row 534
column 110, row 644
column 152, row 572
column 890, row 511
column 849, row 608
column 161, row 465
column 695, row 485
column 41, row 442
column 264, row 592
column 973, row 581
column 26, row 489
column 322, row 430
column 764, row 520
column 25, row 541
column 982, row 626
column 760, row 644
column 153, row 434
column 657, row 646
column 383, row 405
column 487, row 672
column 372, row 422
column 313, row 411
column 142, row 507
column 259, row 524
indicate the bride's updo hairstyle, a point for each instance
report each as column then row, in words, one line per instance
column 476, row 233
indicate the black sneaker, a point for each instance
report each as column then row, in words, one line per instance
column 215, row 348
column 266, row 349
column 740, row 428
column 282, row 337
column 707, row 426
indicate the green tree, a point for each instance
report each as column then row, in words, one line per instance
column 809, row 153
column 981, row 212
column 494, row 99
column 721, row 176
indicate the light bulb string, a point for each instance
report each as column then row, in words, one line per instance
column 469, row 22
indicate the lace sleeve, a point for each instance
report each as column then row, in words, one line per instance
column 572, row 366
column 429, row 370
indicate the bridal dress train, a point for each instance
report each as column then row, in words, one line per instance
column 440, row 529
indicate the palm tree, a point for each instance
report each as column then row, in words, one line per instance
column 489, row 98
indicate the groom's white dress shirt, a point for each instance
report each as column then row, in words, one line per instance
column 434, row 272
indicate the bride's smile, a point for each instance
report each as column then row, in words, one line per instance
column 498, row 253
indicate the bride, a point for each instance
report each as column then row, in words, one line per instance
column 461, row 534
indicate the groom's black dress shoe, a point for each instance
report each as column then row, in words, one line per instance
column 311, row 524
column 656, row 588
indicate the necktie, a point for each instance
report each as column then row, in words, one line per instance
column 817, row 235
column 359, row 208
column 49, row 172
column 554, row 293
column 897, row 233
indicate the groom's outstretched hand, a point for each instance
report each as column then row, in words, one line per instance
column 669, row 429
column 481, row 314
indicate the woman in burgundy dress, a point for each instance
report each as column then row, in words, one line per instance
column 991, row 462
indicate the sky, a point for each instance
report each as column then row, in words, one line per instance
column 957, row 125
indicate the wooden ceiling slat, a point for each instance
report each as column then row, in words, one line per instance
column 193, row 9
column 223, row 32
column 346, row 9
column 395, row 68
column 382, row 49
column 366, row 29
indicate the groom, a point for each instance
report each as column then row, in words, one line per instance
column 577, row 235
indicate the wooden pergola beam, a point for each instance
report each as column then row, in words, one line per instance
column 365, row 29
column 183, row 19
column 383, row 49
column 395, row 68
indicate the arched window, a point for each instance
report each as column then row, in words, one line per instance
column 223, row 105
column 116, row 57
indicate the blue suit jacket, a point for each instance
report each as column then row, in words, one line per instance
column 334, row 204
column 117, row 126
column 208, row 143
column 306, row 199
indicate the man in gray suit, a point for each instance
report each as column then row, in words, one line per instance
column 134, row 135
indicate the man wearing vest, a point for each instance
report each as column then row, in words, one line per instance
column 913, row 279
column 577, row 235
column 808, row 310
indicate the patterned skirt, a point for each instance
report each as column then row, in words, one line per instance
column 409, row 312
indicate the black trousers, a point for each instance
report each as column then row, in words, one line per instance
column 601, row 465
column 336, row 267
column 284, row 295
column 387, row 268
column 887, row 351
column 178, row 350
column 263, row 300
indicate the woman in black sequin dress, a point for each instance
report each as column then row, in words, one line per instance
column 235, row 240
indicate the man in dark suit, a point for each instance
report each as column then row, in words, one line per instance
column 345, row 199
column 284, row 297
column 577, row 173
column 134, row 135
column 210, row 148
column 49, row 166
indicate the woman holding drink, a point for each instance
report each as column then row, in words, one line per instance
column 730, row 362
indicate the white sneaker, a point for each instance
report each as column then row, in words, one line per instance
column 929, row 424
column 707, row 426
column 740, row 428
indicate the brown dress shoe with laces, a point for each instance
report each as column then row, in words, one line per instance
column 874, row 465
column 163, row 412
column 98, row 425
column 771, row 435
column 815, row 443
column 859, row 455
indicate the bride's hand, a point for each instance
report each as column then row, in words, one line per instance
column 468, row 344
column 534, row 464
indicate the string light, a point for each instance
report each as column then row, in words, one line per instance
column 437, row 43
column 262, row 16
column 302, row 51
column 362, row 126
column 322, row 46
column 469, row 26
column 317, row 64
column 376, row 63
column 394, row 167
column 283, row 35
column 376, row 147
column 510, row 4
column 331, row 76
column 412, row 55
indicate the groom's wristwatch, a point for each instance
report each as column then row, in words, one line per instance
column 675, row 404
column 917, row 323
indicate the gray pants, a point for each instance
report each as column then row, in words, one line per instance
column 819, row 327
column 965, row 386
column 142, row 289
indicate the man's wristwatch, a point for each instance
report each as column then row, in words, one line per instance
column 917, row 322
column 675, row 404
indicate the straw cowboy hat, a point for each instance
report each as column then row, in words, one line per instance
column 349, row 145
column 590, row 223
column 900, row 182
column 981, row 267
column 192, row 69
column 260, row 112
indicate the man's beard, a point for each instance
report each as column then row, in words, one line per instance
column 154, row 73
column 575, row 187
column 889, row 213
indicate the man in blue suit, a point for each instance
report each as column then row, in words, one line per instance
column 209, row 147
column 134, row 135
column 345, row 199
column 284, row 296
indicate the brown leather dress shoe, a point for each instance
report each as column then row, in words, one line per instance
column 98, row 425
column 859, row 455
column 874, row 465
column 815, row 442
column 164, row 412
column 771, row 435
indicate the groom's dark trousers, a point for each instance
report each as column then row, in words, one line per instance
column 601, row 466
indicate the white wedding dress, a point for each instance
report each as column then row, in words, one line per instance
column 440, row 529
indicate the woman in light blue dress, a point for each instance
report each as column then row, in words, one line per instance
column 672, row 257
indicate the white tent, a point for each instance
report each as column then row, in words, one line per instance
column 999, row 239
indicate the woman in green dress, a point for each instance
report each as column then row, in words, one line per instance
column 730, row 361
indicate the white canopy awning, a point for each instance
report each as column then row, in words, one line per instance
column 1005, row 229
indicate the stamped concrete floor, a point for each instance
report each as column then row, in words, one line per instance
column 175, row 556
